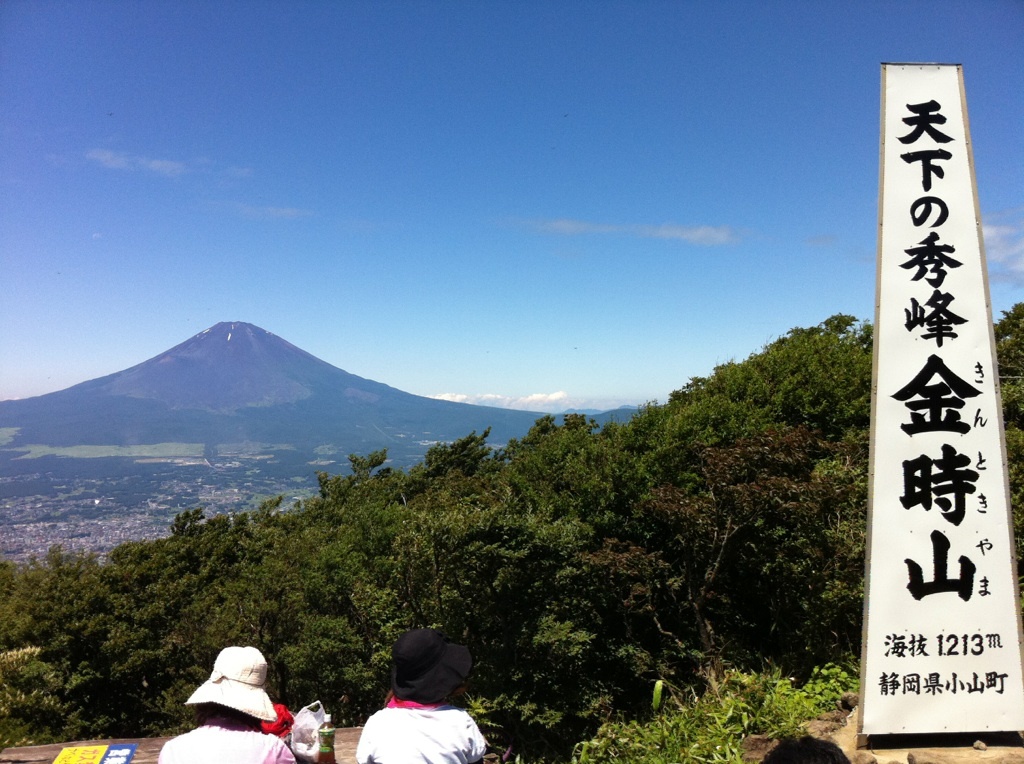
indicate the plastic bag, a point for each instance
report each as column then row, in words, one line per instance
column 305, row 742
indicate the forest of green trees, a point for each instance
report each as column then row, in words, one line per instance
column 720, row 531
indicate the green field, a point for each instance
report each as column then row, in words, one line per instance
column 7, row 434
column 164, row 450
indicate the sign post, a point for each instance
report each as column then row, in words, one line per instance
column 942, row 647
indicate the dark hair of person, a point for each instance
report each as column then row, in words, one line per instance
column 806, row 750
column 207, row 711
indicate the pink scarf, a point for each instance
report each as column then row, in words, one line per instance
column 395, row 702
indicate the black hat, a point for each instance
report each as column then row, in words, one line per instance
column 426, row 667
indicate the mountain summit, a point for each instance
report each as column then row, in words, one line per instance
column 236, row 383
column 223, row 421
column 234, row 365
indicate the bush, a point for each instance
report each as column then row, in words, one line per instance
column 711, row 728
column 30, row 712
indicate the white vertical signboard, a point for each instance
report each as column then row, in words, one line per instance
column 942, row 630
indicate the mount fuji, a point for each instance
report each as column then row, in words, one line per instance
column 236, row 383
column 224, row 421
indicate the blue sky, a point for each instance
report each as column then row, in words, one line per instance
column 537, row 204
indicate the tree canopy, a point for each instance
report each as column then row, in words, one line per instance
column 723, row 528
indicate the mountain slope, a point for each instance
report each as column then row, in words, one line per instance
column 237, row 383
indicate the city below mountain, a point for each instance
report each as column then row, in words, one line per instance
column 227, row 418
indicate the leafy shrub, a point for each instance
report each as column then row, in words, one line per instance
column 828, row 684
column 30, row 712
column 712, row 727
column 578, row 563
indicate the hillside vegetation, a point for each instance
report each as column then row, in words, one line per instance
column 707, row 539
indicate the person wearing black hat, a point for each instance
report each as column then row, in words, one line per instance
column 806, row 750
column 418, row 726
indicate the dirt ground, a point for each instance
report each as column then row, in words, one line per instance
column 954, row 749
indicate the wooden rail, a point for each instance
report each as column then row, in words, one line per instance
column 148, row 750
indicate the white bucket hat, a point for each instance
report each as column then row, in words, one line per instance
column 237, row 682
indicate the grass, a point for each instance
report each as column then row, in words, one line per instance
column 711, row 728
column 161, row 450
column 7, row 434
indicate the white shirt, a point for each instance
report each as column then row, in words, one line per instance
column 443, row 735
column 220, row 741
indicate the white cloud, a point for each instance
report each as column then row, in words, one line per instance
column 1004, row 244
column 548, row 403
column 273, row 213
column 118, row 160
column 162, row 166
column 702, row 235
column 111, row 159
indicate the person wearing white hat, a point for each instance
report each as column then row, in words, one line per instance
column 229, row 708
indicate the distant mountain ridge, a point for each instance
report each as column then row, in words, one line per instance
column 224, row 421
column 238, row 383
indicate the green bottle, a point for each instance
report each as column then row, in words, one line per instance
column 325, row 755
